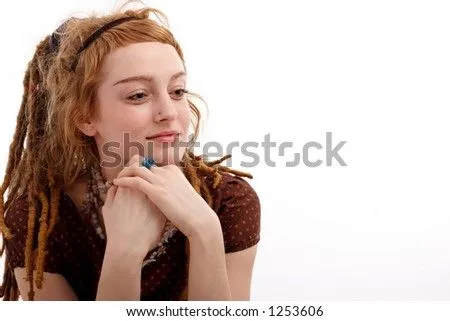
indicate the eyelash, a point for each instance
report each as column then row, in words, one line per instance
column 183, row 92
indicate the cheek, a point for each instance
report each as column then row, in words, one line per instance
column 110, row 126
column 185, row 117
column 115, row 115
column 120, row 119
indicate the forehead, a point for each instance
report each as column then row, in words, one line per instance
column 154, row 58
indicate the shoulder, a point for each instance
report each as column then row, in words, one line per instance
column 17, row 221
column 16, row 216
column 236, row 191
column 17, row 213
column 238, row 207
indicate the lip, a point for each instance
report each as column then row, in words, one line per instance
column 167, row 134
column 165, row 137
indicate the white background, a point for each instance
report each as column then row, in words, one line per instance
column 374, row 73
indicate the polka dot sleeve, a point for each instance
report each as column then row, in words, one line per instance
column 239, row 214
column 17, row 221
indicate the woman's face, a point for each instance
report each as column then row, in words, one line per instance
column 141, row 95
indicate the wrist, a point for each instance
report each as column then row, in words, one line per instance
column 122, row 256
column 204, row 229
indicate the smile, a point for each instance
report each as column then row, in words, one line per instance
column 164, row 138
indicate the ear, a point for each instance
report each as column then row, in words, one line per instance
column 87, row 128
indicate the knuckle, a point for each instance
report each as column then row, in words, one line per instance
column 164, row 182
column 172, row 167
column 156, row 168
column 163, row 193
column 139, row 183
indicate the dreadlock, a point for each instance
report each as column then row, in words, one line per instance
column 25, row 175
column 196, row 168
column 33, row 170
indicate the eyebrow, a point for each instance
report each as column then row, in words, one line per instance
column 147, row 78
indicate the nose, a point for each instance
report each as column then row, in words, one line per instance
column 166, row 109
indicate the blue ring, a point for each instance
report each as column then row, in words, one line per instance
column 148, row 162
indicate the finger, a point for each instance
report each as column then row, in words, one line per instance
column 139, row 183
column 140, row 161
column 131, row 163
column 139, row 172
column 110, row 195
column 133, row 159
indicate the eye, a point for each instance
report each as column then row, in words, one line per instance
column 179, row 93
column 138, row 97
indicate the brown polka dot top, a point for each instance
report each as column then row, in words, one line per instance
column 76, row 252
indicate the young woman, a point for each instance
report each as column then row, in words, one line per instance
column 89, row 218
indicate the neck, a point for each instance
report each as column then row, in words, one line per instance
column 109, row 173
